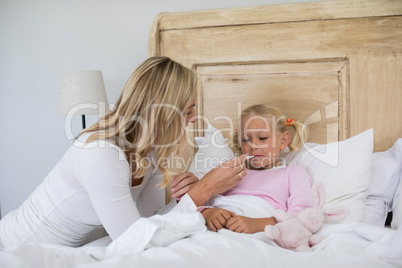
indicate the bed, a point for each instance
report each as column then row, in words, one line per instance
column 336, row 66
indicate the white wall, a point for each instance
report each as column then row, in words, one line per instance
column 39, row 40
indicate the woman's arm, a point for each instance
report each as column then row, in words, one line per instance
column 218, row 180
column 241, row 224
column 105, row 175
column 182, row 183
column 152, row 197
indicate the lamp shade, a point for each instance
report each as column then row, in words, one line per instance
column 82, row 90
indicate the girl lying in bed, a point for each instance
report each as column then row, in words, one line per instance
column 263, row 135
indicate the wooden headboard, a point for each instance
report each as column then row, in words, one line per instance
column 336, row 66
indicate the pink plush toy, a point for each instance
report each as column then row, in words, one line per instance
column 298, row 232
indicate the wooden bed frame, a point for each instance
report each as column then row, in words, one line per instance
column 336, row 66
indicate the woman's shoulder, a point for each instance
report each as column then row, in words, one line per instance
column 98, row 147
column 82, row 142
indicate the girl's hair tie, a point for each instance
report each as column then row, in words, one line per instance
column 289, row 121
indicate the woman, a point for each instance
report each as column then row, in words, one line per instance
column 110, row 176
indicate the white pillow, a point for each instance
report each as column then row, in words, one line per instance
column 212, row 151
column 385, row 176
column 343, row 168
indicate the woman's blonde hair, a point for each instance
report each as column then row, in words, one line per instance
column 149, row 114
column 273, row 116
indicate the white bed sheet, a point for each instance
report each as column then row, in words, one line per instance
column 347, row 245
column 180, row 239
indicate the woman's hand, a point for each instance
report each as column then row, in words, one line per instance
column 182, row 183
column 241, row 224
column 219, row 180
column 216, row 218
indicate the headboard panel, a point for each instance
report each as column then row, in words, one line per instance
column 334, row 65
column 282, row 85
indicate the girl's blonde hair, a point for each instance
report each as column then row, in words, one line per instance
column 273, row 116
column 149, row 113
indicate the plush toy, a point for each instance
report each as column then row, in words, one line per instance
column 297, row 232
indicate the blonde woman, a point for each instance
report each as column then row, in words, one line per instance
column 116, row 170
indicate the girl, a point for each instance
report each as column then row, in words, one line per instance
column 110, row 176
column 263, row 135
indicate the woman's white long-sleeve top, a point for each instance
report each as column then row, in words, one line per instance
column 90, row 186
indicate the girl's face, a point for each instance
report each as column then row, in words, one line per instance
column 259, row 139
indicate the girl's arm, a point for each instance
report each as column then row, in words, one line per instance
column 300, row 192
column 216, row 218
column 241, row 224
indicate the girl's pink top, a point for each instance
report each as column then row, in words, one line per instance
column 287, row 188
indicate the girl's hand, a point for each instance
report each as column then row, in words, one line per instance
column 241, row 224
column 219, row 180
column 216, row 218
column 182, row 183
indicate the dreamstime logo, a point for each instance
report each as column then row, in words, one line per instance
column 327, row 153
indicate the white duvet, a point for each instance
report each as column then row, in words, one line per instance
column 180, row 239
